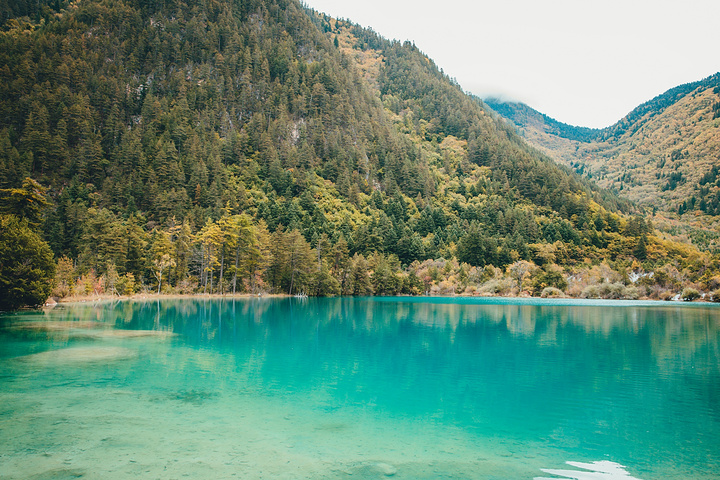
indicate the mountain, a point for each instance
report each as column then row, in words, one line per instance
column 196, row 145
column 664, row 154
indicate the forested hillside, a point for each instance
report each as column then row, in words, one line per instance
column 665, row 153
column 524, row 116
column 252, row 146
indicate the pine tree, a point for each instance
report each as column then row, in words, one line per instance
column 161, row 254
column 258, row 256
column 640, row 251
column 27, row 269
column 28, row 202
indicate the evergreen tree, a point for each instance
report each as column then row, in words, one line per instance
column 161, row 250
column 27, row 268
column 359, row 282
column 28, row 202
column 475, row 248
column 640, row 251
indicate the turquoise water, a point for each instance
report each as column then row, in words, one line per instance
column 405, row 388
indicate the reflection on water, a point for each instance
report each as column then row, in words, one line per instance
column 361, row 388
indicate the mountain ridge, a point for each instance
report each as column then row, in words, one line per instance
column 523, row 114
column 517, row 110
column 673, row 137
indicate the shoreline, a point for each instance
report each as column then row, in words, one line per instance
column 52, row 302
column 152, row 296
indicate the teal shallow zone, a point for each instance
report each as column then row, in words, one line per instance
column 355, row 388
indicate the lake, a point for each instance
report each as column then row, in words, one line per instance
column 361, row 388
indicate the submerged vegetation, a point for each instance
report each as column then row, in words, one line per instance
column 257, row 146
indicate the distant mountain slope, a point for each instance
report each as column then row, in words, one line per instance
column 524, row 115
column 635, row 119
column 665, row 153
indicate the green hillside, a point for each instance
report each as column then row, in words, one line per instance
column 522, row 115
column 260, row 146
column 663, row 154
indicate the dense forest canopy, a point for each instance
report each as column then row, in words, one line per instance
column 260, row 146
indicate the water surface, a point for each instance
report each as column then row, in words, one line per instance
column 349, row 388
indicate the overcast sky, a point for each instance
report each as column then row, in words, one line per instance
column 582, row 62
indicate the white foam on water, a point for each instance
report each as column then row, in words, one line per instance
column 601, row 470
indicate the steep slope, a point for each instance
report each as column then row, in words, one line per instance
column 665, row 153
column 173, row 110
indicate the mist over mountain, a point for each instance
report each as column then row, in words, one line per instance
column 523, row 115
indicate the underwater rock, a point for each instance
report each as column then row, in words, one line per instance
column 196, row 397
column 386, row 469
column 372, row 470
column 56, row 325
column 58, row 474
column 80, row 355
column 88, row 329
column 131, row 333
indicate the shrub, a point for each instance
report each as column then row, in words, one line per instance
column 125, row 285
column 496, row 287
column 630, row 292
column 187, row 286
column 690, row 294
column 612, row 290
column 715, row 295
column 666, row 295
column 551, row 276
column 591, row 291
column 446, row 287
column 552, row 292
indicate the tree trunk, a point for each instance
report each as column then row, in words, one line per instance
column 252, row 281
column 292, row 272
column 237, row 254
column 203, row 273
column 211, row 280
column 222, row 267
column 209, row 271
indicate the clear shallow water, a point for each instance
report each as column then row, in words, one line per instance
column 360, row 388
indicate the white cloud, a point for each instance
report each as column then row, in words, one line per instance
column 583, row 63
